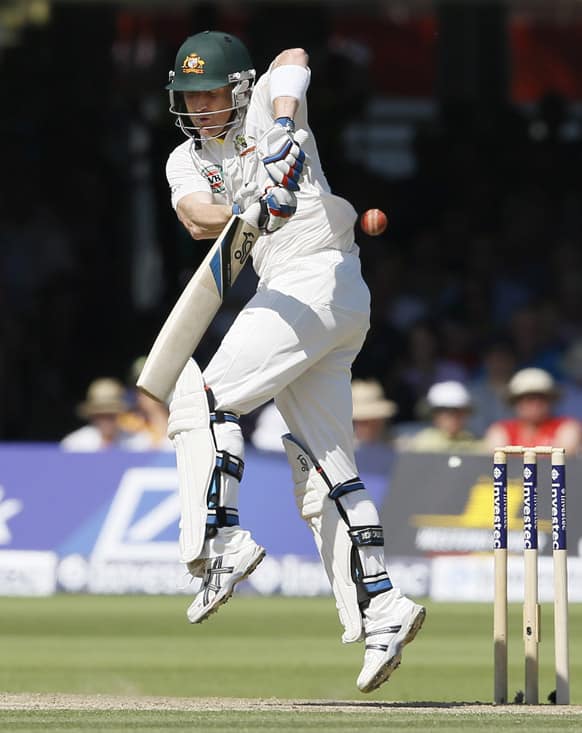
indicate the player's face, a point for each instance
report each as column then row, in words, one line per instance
column 201, row 105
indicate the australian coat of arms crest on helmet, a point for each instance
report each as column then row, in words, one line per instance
column 193, row 64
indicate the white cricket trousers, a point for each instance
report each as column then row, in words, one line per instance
column 295, row 341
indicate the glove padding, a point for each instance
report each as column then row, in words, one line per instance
column 280, row 152
column 272, row 211
column 245, row 197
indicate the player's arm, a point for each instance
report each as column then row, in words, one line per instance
column 279, row 148
column 206, row 220
column 202, row 218
column 286, row 99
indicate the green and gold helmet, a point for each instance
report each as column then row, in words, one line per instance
column 206, row 61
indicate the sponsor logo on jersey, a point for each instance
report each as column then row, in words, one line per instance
column 241, row 145
column 215, row 179
column 240, row 142
column 193, row 64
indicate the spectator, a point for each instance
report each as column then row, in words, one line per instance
column 371, row 412
column 147, row 420
column 450, row 405
column 104, row 403
column 371, row 420
column 533, row 394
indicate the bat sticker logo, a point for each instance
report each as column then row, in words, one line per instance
column 242, row 253
column 303, row 461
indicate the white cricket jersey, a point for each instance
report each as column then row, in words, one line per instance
column 322, row 221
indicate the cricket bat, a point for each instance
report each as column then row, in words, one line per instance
column 196, row 307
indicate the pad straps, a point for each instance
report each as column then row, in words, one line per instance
column 363, row 537
column 227, row 465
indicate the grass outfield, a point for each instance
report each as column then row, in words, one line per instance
column 272, row 649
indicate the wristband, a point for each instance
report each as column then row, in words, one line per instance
column 289, row 80
column 236, row 210
column 286, row 122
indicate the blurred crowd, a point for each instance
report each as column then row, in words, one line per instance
column 119, row 416
column 478, row 277
column 531, row 410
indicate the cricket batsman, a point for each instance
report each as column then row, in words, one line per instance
column 250, row 152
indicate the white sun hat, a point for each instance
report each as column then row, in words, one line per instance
column 532, row 381
column 448, row 395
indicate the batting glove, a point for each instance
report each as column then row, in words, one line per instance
column 272, row 211
column 280, row 151
column 246, row 195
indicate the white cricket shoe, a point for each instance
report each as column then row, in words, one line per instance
column 222, row 572
column 390, row 621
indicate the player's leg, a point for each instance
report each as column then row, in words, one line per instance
column 333, row 500
column 271, row 342
column 210, row 459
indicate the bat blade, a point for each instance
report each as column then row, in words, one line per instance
column 196, row 307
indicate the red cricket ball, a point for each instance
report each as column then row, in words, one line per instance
column 373, row 222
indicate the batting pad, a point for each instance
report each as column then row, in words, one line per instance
column 330, row 533
column 189, row 429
